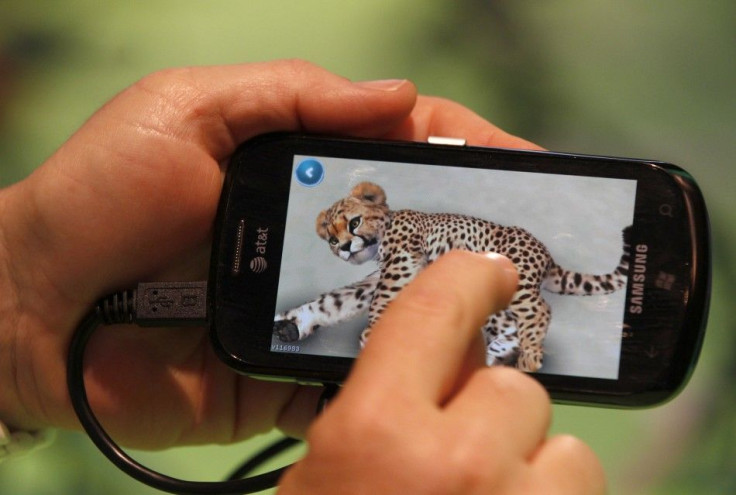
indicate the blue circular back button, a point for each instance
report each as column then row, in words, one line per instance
column 310, row 172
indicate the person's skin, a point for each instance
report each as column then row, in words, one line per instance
column 132, row 196
column 426, row 416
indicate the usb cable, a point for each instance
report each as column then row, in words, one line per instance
column 152, row 305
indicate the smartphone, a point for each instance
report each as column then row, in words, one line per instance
column 315, row 235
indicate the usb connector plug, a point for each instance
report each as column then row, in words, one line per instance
column 157, row 304
column 171, row 304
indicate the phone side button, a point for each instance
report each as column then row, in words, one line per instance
column 447, row 141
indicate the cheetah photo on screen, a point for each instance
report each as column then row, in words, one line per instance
column 361, row 228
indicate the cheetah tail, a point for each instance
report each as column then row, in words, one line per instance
column 567, row 282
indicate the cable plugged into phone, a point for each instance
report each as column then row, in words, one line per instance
column 155, row 305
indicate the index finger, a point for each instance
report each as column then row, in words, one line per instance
column 419, row 344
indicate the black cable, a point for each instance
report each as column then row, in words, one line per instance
column 329, row 393
column 264, row 455
column 279, row 446
column 274, row 449
column 151, row 304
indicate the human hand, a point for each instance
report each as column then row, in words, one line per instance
column 131, row 197
column 424, row 415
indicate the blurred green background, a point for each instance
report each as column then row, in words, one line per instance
column 648, row 79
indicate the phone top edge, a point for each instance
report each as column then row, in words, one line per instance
column 318, row 138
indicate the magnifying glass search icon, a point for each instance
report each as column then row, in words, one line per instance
column 666, row 210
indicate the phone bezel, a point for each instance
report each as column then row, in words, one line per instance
column 258, row 180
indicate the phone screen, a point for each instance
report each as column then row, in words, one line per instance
column 578, row 218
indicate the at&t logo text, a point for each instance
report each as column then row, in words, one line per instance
column 259, row 264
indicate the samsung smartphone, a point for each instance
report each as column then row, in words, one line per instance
column 618, row 250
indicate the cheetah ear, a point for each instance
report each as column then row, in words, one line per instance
column 369, row 192
column 322, row 224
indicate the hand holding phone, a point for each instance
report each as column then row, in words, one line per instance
column 612, row 256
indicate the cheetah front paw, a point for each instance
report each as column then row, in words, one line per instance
column 286, row 330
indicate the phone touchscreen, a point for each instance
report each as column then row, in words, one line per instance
column 579, row 219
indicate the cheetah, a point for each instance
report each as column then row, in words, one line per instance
column 361, row 227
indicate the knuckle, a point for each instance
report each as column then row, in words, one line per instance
column 581, row 462
column 165, row 80
column 512, row 384
column 175, row 101
column 170, row 92
column 297, row 69
column 570, row 446
column 298, row 65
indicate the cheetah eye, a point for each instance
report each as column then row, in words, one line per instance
column 333, row 241
column 354, row 224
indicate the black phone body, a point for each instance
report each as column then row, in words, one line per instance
column 632, row 347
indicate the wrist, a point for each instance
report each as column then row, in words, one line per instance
column 16, row 373
column 9, row 323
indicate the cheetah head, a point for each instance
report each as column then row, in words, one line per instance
column 353, row 226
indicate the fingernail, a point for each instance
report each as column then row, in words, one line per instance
column 382, row 84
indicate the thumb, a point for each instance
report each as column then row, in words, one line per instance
column 219, row 107
column 143, row 175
